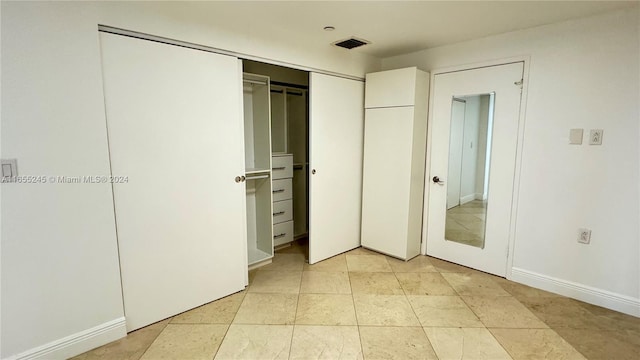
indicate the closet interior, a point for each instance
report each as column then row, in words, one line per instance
column 276, row 117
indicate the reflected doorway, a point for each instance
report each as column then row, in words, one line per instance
column 469, row 163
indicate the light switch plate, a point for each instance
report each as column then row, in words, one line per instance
column 9, row 169
column 575, row 136
column 595, row 137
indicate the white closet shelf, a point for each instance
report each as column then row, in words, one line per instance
column 256, row 255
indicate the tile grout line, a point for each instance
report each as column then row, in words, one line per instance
column 232, row 320
column 295, row 315
column 353, row 301
column 415, row 314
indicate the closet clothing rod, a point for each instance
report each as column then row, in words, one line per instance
column 257, row 177
column 290, row 85
column 294, row 93
column 254, row 82
column 277, row 91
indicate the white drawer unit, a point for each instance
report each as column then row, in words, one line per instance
column 282, row 211
column 282, row 233
column 282, row 189
column 282, row 166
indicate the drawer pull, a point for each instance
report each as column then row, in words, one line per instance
column 278, row 213
column 279, row 235
column 278, row 191
column 280, row 168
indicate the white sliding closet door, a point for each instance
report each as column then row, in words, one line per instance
column 175, row 130
column 335, row 144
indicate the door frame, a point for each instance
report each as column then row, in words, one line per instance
column 526, row 60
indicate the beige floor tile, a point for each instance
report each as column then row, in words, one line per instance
column 384, row 310
column 375, row 283
column 520, row 290
column 561, row 312
column 325, row 309
column 473, row 284
column 130, row 347
column 615, row 320
column 419, row 263
column 503, row 312
column 361, row 251
column 533, row 344
column 443, row 311
column 402, row 343
column 424, row 284
column 283, row 282
column 285, row 262
column 465, row 343
column 325, row 342
column 253, row 342
column 447, row 267
column 337, row 263
column 267, row 309
column 368, row 263
column 221, row 311
column 252, row 275
column 319, row 282
column 603, row 345
column 296, row 247
column 187, row 341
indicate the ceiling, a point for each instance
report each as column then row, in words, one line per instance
column 392, row 27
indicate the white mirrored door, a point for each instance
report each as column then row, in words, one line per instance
column 474, row 136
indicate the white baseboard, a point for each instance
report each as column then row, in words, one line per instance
column 467, row 198
column 77, row 343
column 604, row 298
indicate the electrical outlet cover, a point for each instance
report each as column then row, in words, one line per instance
column 595, row 137
column 584, row 236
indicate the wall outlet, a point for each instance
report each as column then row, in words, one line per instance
column 595, row 137
column 584, row 236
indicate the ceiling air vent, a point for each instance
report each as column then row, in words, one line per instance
column 350, row 43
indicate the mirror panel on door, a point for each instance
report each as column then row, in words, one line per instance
column 468, row 173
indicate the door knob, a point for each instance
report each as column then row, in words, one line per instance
column 437, row 180
column 243, row 178
column 238, row 179
column 313, row 172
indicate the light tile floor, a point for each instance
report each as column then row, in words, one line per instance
column 363, row 305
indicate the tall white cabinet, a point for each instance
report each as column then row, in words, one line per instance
column 394, row 161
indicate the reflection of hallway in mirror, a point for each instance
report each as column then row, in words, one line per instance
column 465, row 223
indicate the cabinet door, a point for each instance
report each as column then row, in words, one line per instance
column 175, row 130
column 386, row 180
column 335, row 140
column 391, row 88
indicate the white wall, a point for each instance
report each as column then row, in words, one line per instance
column 583, row 74
column 59, row 268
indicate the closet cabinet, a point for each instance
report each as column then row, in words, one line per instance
column 282, row 199
column 289, row 118
column 394, row 161
column 258, row 176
